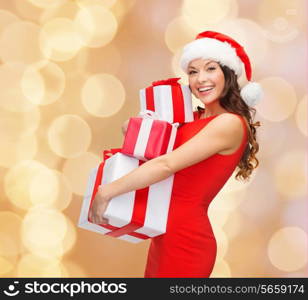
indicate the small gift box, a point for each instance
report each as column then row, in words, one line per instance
column 169, row 99
column 133, row 216
column 148, row 137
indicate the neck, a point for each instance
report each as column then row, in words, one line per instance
column 213, row 109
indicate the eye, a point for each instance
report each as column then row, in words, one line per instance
column 211, row 68
column 191, row 72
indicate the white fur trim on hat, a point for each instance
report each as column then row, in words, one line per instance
column 252, row 93
column 208, row 48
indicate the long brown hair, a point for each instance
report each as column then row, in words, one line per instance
column 231, row 101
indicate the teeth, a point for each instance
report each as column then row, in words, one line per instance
column 205, row 89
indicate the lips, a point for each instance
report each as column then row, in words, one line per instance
column 205, row 91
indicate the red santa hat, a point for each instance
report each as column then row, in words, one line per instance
column 226, row 51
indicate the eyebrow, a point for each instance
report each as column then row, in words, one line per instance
column 205, row 64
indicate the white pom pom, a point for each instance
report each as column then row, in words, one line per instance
column 251, row 93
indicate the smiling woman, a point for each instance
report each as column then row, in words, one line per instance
column 206, row 152
column 207, row 81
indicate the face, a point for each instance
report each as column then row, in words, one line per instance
column 206, row 80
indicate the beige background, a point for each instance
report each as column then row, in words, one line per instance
column 70, row 75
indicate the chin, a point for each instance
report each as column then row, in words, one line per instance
column 206, row 101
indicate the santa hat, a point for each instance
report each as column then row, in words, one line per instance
column 226, row 51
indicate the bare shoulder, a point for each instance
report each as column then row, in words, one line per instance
column 222, row 135
column 227, row 123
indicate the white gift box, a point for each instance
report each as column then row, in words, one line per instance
column 123, row 210
column 170, row 100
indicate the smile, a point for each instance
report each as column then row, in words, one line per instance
column 205, row 91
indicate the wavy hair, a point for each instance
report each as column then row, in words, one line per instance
column 231, row 101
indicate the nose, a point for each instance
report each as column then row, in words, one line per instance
column 202, row 77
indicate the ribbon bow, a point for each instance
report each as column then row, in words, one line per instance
column 169, row 81
column 149, row 114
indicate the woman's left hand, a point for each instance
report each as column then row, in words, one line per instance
column 99, row 206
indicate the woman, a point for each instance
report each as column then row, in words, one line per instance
column 207, row 151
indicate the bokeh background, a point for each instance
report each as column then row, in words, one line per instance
column 70, row 75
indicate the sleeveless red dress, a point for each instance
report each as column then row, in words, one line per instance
column 188, row 248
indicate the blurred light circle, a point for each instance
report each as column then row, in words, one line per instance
column 69, row 136
column 301, row 116
column 59, row 39
column 103, row 95
column 43, row 228
column 287, row 249
column 19, row 42
column 27, row 10
column 282, row 20
column 221, row 270
column 66, row 10
column 77, row 171
column 5, row 265
column 121, row 8
column 105, row 3
column 96, row 25
column 10, row 224
column 54, row 270
column 56, row 247
column 35, row 266
column 44, row 187
column 43, row 83
column 17, row 182
column 70, row 237
column 13, row 151
column 199, row 14
column 291, row 173
column 46, row 3
column 279, row 101
column 6, row 18
column 18, row 125
column 50, row 189
column 73, row 269
column 11, row 96
column 77, row 65
column 178, row 34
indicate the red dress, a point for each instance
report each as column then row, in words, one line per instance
column 188, row 248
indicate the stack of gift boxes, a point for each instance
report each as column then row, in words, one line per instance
column 141, row 214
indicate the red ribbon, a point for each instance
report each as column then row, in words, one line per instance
column 177, row 98
column 108, row 153
column 169, row 81
column 139, row 209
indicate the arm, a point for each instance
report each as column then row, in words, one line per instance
column 222, row 133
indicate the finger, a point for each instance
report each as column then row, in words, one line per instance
column 104, row 221
column 90, row 215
